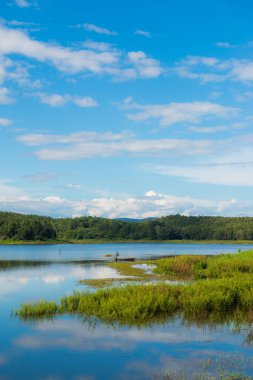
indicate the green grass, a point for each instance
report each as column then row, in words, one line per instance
column 222, row 289
column 204, row 267
column 120, row 241
column 30, row 242
column 128, row 269
column 106, row 282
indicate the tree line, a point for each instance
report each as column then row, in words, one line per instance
column 15, row 226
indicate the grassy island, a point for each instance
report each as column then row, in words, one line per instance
column 213, row 288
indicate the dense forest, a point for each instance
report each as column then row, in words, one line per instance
column 174, row 227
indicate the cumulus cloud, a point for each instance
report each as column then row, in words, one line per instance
column 152, row 204
column 150, row 193
column 146, row 67
column 57, row 100
column 172, row 113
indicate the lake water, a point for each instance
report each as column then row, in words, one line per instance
column 70, row 348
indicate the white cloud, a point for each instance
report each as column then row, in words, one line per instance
column 34, row 139
column 18, row 23
column 22, row 3
column 234, row 174
column 214, row 129
column 65, row 59
column 143, row 33
column 5, row 96
column 209, row 69
column 146, row 67
column 230, row 165
column 17, row 72
column 150, row 193
column 151, row 204
column 96, row 59
column 47, row 176
column 218, row 128
column 74, row 186
column 10, row 193
column 53, row 100
column 99, row 46
column 85, row 102
column 91, row 144
column 243, row 71
column 97, row 29
column 225, row 45
column 243, row 96
column 5, row 122
column 56, row 100
column 172, row 113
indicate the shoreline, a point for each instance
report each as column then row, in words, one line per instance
column 101, row 241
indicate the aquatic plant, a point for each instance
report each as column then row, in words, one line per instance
column 224, row 287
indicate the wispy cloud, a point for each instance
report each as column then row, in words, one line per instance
column 5, row 122
column 225, row 45
column 43, row 177
column 96, row 29
column 231, row 166
column 56, row 100
column 97, row 46
column 111, row 61
column 173, row 113
column 218, row 128
column 143, row 33
column 210, row 69
column 5, row 97
column 22, row 3
column 83, row 145
column 237, row 174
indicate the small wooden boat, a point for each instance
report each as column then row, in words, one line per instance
column 126, row 259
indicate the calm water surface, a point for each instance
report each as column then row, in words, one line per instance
column 70, row 348
column 76, row 252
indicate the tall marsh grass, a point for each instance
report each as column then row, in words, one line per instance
column 223, row 287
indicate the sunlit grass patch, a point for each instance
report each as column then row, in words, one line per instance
column 179, row 266
column 106, row 282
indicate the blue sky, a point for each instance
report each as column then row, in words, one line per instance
column 126, row 109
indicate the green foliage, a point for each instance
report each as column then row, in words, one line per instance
column 139, row 303
column 26, row 227
column 39, row 309
column 175, row 227
column 179, row 266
